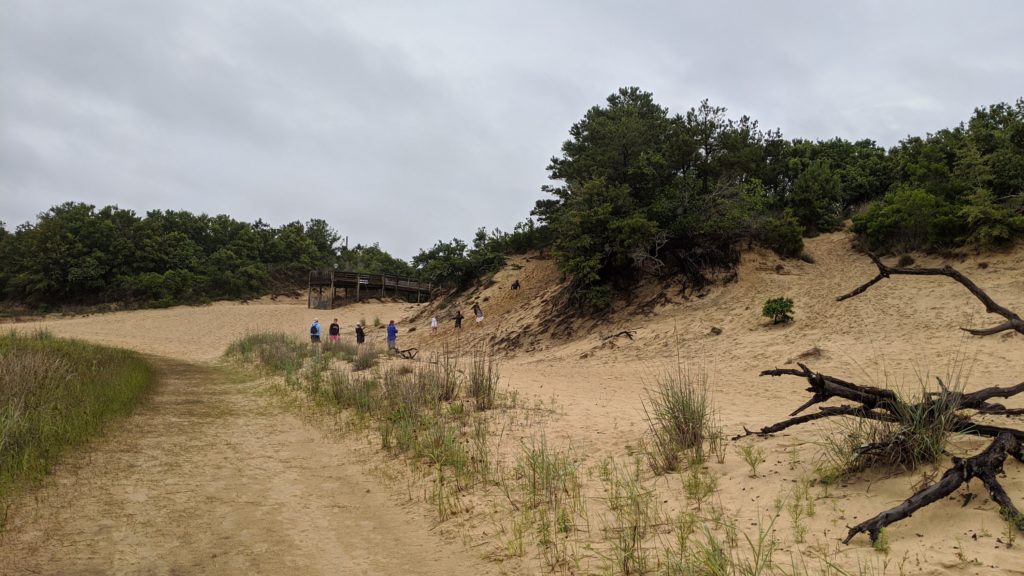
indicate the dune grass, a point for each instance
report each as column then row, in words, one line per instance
column 56, row 394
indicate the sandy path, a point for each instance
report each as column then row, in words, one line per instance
column 211, row 477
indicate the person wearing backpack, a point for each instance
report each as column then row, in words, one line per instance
column 360, row 334
column 314, row 334
column 392, row 336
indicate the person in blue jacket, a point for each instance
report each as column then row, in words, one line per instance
column 392, row 336
column 314, row 333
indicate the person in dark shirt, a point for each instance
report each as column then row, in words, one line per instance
column 458, row 319
column 334, row 331
column 360, row 334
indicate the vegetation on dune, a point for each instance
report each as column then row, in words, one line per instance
column 637, row 191
column 56, row 394
column 641, row 191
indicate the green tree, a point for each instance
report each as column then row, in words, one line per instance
column 816, row 198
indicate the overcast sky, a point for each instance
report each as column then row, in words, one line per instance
column 408, row 122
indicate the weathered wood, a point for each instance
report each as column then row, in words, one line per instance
column 826, row 387
column 984, row 466
column 627, row 333
column 823, row 412
column 1013, row 321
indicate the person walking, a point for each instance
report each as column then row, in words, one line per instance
column 314, row 334
column 392, row 336
column 334, row 331
column 433, row 324
column 360, row 334
column 478, row 312
column 458, row 319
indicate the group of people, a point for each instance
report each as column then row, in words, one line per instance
column 478, row 312
column 334, row 330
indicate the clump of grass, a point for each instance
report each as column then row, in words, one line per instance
column 441, row 376
column 56, row 394
column 547, row 476
column 918, row 436
column 353, row 391
column 634, row 513
column 347, row 351
column 680, row 417
column 484, row 376
column 366, row 358
column 276, row 352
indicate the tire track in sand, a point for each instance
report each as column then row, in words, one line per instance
column 211, row 477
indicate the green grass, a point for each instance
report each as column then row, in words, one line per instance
column 275, row 352
column 680, row 418
column 56, row 394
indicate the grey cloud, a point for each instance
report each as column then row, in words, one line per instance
column 408, row 122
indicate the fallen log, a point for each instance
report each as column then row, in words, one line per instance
column 984, row 466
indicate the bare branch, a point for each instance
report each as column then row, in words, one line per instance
column 1014, row 322
column 824, row 412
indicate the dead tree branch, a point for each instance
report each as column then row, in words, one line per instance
column 1013, row 321
column 984, row 466
column 824, row 412
column 626, row 333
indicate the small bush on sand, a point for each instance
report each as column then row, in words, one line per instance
column 780, row 310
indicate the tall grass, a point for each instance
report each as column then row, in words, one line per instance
column 56, row 394
column 680, row 418
column 484, row 376
column 273, row 351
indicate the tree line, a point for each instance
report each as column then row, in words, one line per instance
column 636, row 191
column 76, row 254
column 639, row 190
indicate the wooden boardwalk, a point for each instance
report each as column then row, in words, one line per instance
column 324, row 286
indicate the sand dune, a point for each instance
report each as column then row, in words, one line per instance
column 902, row 330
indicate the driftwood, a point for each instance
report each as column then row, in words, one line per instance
column 984, row 466
column 626, row 333
column 885, row 406
column 1013, row 321
column 408, row 354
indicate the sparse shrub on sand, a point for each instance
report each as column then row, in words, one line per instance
column 780, row 310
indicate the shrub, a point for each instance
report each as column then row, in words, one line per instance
column 988, row 223
column 784, row 235
column 909, row 219
column 778, row 309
